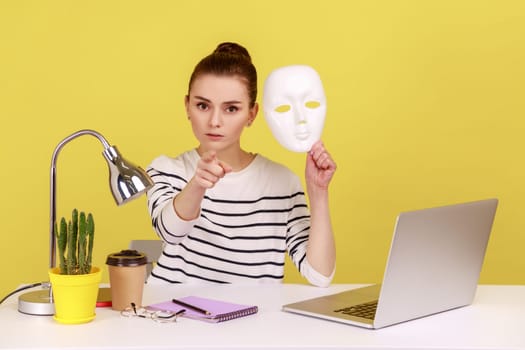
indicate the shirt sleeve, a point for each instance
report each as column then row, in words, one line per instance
column 169, row 179
column 298, row 231
column 316, row 278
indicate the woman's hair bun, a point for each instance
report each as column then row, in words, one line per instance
column 232, row 49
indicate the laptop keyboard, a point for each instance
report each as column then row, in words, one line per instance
column 366, row 310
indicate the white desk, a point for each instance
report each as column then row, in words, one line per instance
column 496, row 320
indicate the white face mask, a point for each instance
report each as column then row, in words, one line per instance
column 294, row 106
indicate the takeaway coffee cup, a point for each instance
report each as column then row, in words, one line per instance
column 127, row 273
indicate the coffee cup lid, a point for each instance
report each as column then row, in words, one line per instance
column 127, row 257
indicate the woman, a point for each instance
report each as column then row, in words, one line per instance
column 228, row 215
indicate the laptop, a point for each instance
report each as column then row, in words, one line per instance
column 433, row 266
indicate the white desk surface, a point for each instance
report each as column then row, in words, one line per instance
column 496, row 320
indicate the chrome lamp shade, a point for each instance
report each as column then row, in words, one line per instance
column 127, row 181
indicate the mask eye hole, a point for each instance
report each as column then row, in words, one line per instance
column 282, row 108
column 312, row 104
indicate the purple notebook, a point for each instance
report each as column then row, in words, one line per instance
column 218, row 310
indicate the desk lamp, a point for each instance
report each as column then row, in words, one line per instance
column 126, row 180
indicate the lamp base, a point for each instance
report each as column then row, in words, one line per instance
column 36, row 303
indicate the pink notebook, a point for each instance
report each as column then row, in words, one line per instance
column 219, row 310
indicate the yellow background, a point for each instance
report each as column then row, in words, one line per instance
column 425, row 107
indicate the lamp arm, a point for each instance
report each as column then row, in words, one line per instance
column 52, row 204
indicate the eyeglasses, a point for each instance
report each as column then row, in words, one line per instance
column 155, row 315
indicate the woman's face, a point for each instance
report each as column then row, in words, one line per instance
column 218, row 108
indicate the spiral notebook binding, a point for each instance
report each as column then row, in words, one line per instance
column 236, row 314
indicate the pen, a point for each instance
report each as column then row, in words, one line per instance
column 189, row 306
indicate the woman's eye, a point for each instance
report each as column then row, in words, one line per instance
column 232, row 109
column 202, row 106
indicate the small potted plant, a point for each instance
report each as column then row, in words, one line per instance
column 75, row 282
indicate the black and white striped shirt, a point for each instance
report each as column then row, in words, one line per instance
column 248, row 221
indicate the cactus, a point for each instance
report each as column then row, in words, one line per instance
column 74, row 236
column 75, row 243
column 62, row 242
column 90, row 231
column 71, row 250
column 82, row 243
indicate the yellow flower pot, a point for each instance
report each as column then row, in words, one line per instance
column 75, row 296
